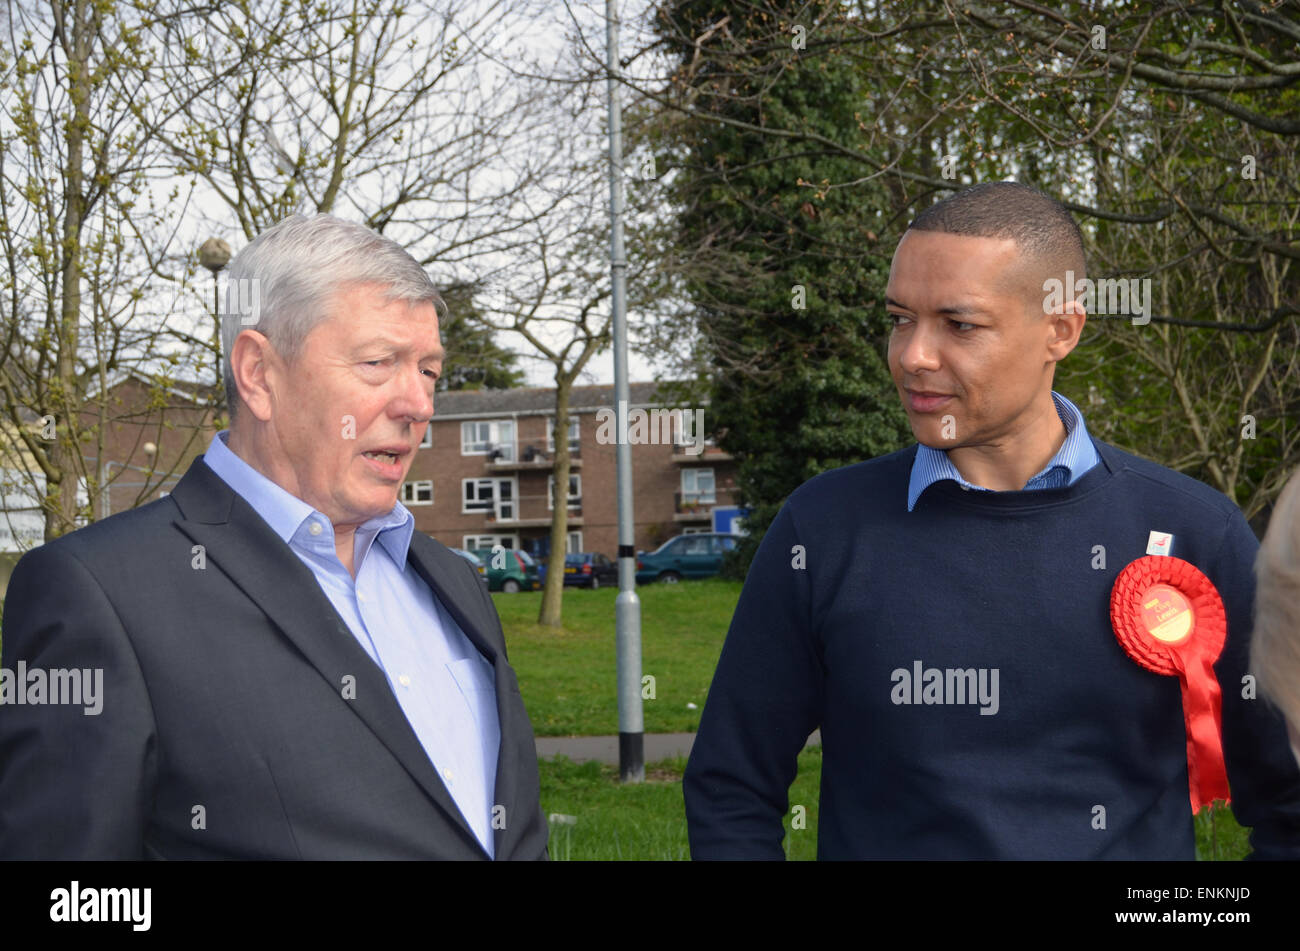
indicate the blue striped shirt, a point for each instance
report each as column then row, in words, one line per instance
column 442, row 683
column 1075, row 457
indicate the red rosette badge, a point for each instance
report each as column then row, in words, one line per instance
column 1170, row 619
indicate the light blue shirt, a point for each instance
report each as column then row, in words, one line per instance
column 1075, row 457
column 444, row 685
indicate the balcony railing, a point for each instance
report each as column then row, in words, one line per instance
column 694, row 502
column 531, row 458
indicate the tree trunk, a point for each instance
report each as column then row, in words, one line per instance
column 553, row 593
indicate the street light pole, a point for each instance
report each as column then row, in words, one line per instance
column 214, row 254
column 627, row 608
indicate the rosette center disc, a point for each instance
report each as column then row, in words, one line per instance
column 1166, row 614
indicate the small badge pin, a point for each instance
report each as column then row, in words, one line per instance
column 1159, row 543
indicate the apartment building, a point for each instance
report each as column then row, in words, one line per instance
column 484, row 474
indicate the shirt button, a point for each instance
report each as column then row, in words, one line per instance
column 315, row 528
column 404, row 680
column 361, row 597
column 448, row 775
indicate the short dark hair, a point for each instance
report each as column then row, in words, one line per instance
column 1039, row 224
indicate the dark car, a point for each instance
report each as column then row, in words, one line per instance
column 509, row 570
column 686, row 556
column 589, row 569
column 474, row 560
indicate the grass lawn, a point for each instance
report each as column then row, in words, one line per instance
column 567, row 675
column 648, row 822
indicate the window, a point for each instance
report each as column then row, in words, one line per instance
column 574, row 499
column 574, row 434
column 427, row 441
column 697, row 487
column 723, row 543
column 418, row 493
column 695, row 545
column 573, row 544
column 489, row 541
column 495, row 497
column 484, row 437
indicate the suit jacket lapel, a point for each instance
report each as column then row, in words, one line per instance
column 241, row 544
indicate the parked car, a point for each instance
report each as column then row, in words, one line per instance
column 474, row 560
column 686, row 556
column 589, row 569
column 511, row 571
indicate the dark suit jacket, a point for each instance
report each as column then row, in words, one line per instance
column 225, row 731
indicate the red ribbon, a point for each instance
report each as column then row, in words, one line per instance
column 1140, row 592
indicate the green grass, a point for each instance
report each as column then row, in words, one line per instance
column 567, row 674
column 647, row 822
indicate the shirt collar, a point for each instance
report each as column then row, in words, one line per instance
column 290, row 517
column 1076, row 456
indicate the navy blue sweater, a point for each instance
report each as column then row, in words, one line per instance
column 1049, row 742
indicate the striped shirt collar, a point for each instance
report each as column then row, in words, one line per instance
column 1075, row 457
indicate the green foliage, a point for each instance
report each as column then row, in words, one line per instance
column 786, row 272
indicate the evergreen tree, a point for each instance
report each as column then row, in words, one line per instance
column 786, row 273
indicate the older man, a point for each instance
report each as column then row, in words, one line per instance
column 289, row 669
column 943, row 613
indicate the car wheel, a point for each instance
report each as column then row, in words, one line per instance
column 670, row 577
column 510, row 586
column 595, row 582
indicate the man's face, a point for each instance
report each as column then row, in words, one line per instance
column 966, row 353
column 363, row 382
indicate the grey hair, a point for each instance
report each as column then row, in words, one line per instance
column 283, row 283
column 1275, row 644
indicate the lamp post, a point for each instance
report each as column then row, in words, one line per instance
column 627, row 607
column 214, row 254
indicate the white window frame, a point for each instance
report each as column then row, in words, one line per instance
column 575, row 433
column 572, row 547
column 495, row 510
column 470, row 438
column 713, row 495
column 415, row 486
column 699, row 530
column 508, row 542
column 573, row 500
column 426, row 442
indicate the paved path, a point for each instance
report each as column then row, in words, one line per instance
column 605, row 748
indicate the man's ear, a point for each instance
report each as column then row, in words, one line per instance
column 254, row 363
column 1064, row 325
